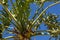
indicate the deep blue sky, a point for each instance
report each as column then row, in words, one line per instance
column 55, row 10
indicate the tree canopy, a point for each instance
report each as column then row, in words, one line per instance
column 17, row 13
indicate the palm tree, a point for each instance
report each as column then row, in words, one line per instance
column 18, row 15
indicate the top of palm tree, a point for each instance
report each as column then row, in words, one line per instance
column 19, row 14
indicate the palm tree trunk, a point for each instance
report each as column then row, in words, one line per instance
column 25, row 39
column 19, row 37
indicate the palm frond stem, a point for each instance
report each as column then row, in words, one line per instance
column 44, row 11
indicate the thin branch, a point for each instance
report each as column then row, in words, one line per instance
column 44, row 11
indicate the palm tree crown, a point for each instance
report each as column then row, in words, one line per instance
column 18, row 15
